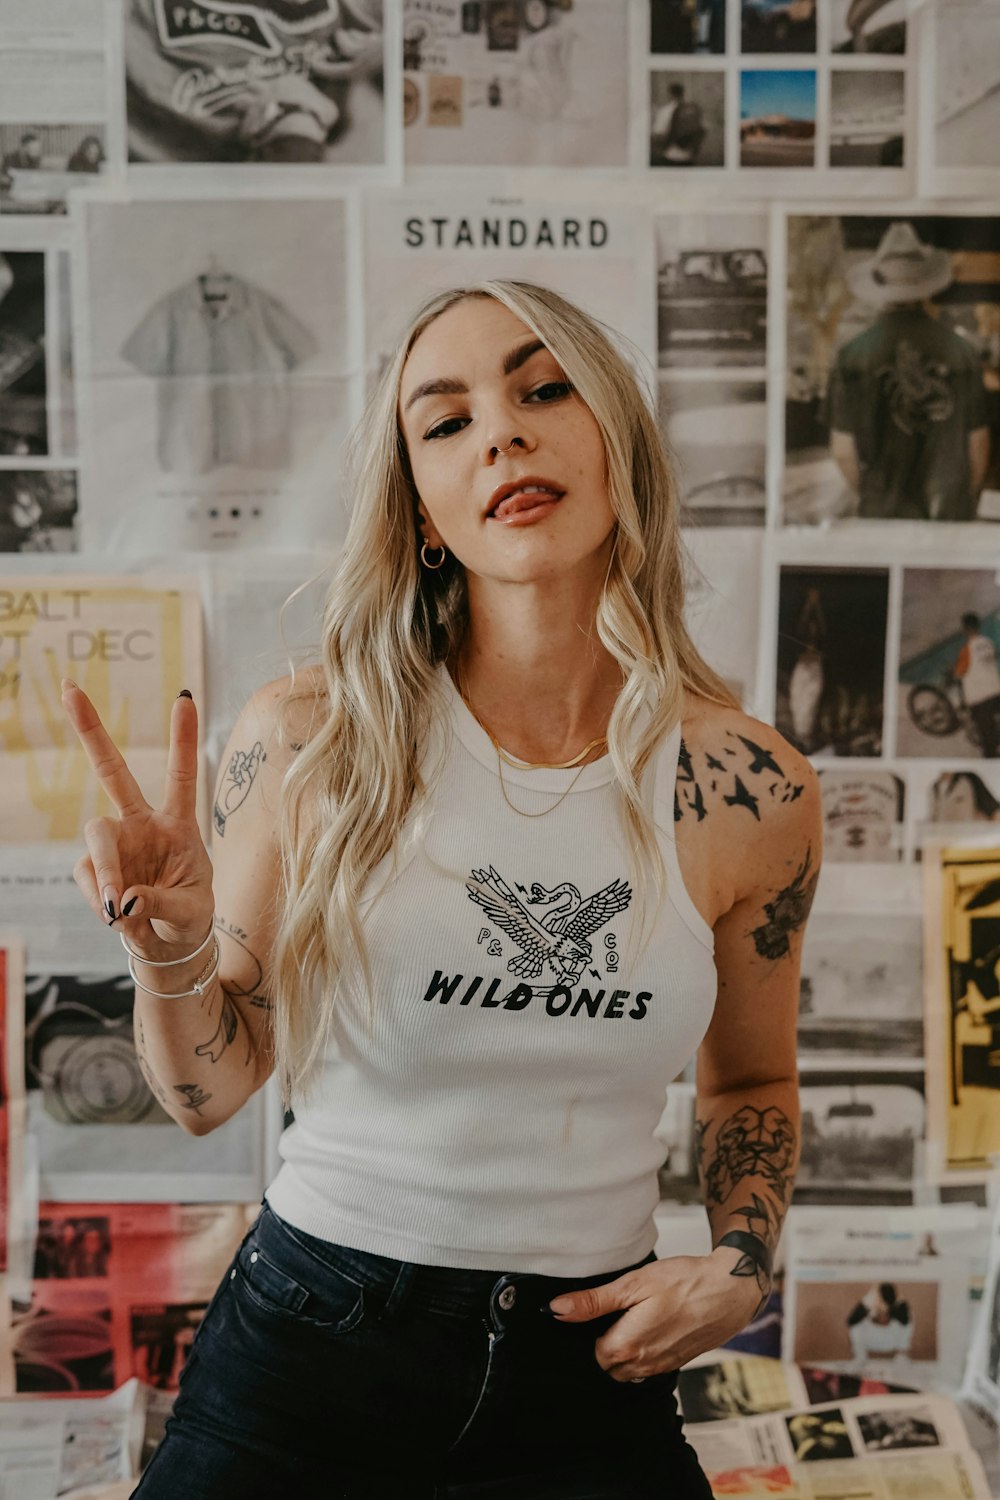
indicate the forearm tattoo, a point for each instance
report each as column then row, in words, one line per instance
column 748, row 1176
column 235, row 783
column 787, row 913
column 743, row 774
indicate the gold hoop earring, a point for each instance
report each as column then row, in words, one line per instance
column 433, row 567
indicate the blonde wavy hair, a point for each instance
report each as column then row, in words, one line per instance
column 387, row 625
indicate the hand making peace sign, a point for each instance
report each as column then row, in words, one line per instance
column 146, row 870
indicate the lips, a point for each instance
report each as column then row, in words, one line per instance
column 522, row 494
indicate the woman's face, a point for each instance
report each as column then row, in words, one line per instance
column 477, row 382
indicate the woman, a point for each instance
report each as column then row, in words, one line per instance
column 467, row 882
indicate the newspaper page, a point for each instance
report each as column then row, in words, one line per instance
column 960, row 117
column 131, row 644
column 883, row 1447
column 218, row 355
column 118, row 1291
column 962, row 1008
column 54, row 104
column 512, row 83
column 589, row 252
column 889, row 413
column 886, row 1295
column 981, row 1384
column 73, row 1447
column 281, row 82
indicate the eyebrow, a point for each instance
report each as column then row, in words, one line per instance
column 447, row 385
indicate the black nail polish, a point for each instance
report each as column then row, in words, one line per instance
column 127, row 908
column 185, row 693
column 109, row 907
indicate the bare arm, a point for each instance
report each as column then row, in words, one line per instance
column 202, row 1054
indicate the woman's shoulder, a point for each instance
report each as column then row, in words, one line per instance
column 740, row 769
column 284, row 714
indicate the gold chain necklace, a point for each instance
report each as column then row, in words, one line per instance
column 541, row 765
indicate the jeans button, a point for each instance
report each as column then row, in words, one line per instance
column 253, row 1256
column 507, row 1298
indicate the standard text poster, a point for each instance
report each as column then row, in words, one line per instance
column 416, row 246
column 276, row 81
column 218, row 364
column 513, row 83
column 131, row 647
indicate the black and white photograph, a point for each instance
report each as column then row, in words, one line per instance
column 867, row 118
column 863, row 813
column 72, row 1248
column 80, row 1060
column 963, row 120
column 869, row 26
column 711, row 290
column 892, row 407
column 778, row 26
column 38, row 510
column 819, row 1435
column 832, row 626
column 861, row 1132
column 24, row 428
column 956, row 801
column 948, row 688
column 687, row 125
column 861, row 986
column 269, row 81
column 687, row 26
column 218, row 357
column 778, row 117
column 716, row 430
column 40, row 165
column 885, row 1431
column 512, row 84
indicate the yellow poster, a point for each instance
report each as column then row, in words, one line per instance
column 962, row 1006
column 131, row 644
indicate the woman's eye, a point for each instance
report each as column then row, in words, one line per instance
column 445, row 428
column 552, row 390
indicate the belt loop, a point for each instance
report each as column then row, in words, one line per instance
column 400, row 1287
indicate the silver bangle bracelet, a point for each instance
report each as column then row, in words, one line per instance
column 166, row 963
column 198, row 988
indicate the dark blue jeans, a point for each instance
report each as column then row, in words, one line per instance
column 324, row 1373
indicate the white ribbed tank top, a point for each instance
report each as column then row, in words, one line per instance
column 499, row 1112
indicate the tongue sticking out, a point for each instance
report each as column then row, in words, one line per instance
column 524, row 500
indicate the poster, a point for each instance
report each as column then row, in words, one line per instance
column 119, row 1291
column 131, row 644
column 948, row 688
column 961, row 118
column 962, row 1007
column 861, row 986
column 268, row 81
column 892, row 368
column 512, row 83
column 416, row 245
column 218, row 362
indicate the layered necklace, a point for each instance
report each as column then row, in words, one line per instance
column 526, row 765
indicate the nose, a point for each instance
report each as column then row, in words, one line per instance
column 515, row 442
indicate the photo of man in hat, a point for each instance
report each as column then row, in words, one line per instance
column 906, row 401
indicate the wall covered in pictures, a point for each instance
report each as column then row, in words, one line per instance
column 215, row 220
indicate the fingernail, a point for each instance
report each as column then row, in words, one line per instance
column 561, row 1305
column 133, row 907
column 110, row 901
column 185, row 693
column 67, row 683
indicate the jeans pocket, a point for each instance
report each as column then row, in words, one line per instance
column 290, row 1286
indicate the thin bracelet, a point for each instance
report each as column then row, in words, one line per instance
column 167, row 963
column 198, row 988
